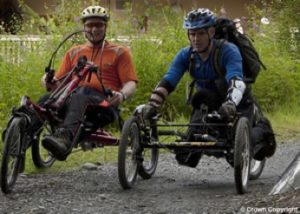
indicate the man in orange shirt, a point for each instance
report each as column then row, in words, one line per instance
column 117, row 73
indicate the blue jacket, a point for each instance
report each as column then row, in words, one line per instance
column 231, row 60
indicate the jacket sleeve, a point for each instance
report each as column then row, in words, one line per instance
column 232, row 62
column 177, row 68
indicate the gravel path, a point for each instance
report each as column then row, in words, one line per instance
column 209, row 188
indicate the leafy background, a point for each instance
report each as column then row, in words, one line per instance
column 276, row 89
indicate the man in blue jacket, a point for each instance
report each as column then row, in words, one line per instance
column 225, row 93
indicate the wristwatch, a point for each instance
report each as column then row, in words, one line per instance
column 123, row 95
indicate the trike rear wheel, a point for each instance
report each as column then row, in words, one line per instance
column 242, row 155
column 11, row 160
column 128, row 153
column 40, row 156
column 256, row 168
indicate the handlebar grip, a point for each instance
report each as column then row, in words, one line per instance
column 108, row 92
column 81, row 62
column 214, row 115
column 93, row 68
column 49, row 74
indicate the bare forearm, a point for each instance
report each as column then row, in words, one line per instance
column 129, row 89
column 120, row 96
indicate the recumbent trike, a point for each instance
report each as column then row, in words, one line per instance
column 140, row 143
column 31, row 121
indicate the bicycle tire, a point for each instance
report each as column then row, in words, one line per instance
column 256, row 168
column 11, row 158
column 128, row 153
column 41, row 158
column 242, row 155
column 149, row 160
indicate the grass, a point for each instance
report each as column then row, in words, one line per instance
column 286, row 124
column 76, row 160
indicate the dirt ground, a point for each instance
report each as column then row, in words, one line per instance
column 209, row 188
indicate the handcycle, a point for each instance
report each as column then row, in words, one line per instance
column 31, row 121
column 140, row 143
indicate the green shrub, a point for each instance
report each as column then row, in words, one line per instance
column 278, row 84
column 152, row 54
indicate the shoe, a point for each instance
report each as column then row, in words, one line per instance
column 58, row 143
column 259, row 151
column 264, row 150
column 264, row 140
column 272, row 145
column 187, row 158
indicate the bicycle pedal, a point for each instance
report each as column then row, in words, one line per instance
column 87, row 146
column 204, row 137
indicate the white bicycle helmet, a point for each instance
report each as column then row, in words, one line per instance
column 94, row 12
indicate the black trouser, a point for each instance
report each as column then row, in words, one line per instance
column 76, row 106
column 83, row 100
column 213, row 101
column 246, row 106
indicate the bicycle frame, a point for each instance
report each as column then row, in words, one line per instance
column 204, row 141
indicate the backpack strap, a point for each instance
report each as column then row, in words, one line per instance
column 218, row 68
column 192, row 84
column 192, row 62
column 216, row 56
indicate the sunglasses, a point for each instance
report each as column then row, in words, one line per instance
column 95, row 24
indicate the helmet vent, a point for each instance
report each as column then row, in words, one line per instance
column 93, row 12
column 199, row 18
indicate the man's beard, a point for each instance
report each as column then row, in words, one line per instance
column 92, row 37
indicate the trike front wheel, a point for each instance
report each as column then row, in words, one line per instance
column 128, row 153
column 149, row 162
column 242, row 155
column 11, row 160
column 41, row 157
column 149, row 156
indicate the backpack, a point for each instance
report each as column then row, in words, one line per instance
column 226, row 31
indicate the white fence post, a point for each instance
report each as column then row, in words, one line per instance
column 12, row 46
